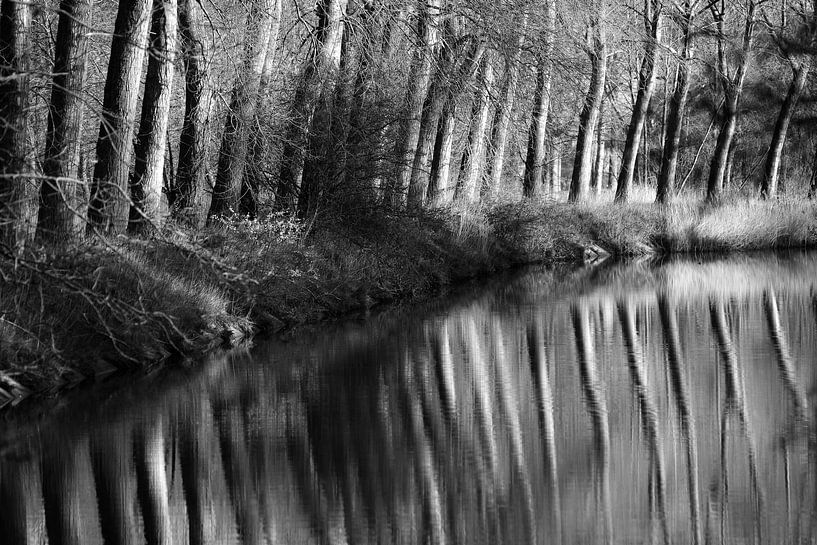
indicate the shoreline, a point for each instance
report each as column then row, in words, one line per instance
column 80, row 314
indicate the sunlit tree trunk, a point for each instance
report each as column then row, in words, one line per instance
column 601, row 154
column 15, row 152
column 419, row 79
column 57, row 218
column 474, row 154
column 732, row 81
column 439, row 191
column 253, row 170
column 148, row 175
column 583, row 162
column 771, row 171
column 646, row 86
column 232, row 157
column 555, row 166
column 109, row 205
column 191, row 177
column 152, row 482
column 536, row 153
column 677, row 109
column 504, row 111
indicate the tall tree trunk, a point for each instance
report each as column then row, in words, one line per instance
column 316, row 87
column 771, row 172
column 15, row 152
column 677, row 108
column 419, row 79
column 536, row 153
column 601, row 154
column 57, row 218
column 646, row 86
column 235, row 140
column 253, row 170
column 438, row 190
column 108, row 209
column 148, row 175
column 473, row 156
column 555, row 166
column 504, row 111
column 732, row 88
column 583, row 162
column 191, row 177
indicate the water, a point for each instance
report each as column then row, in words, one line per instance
column 626, row 404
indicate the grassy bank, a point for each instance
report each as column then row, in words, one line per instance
column 72, row 315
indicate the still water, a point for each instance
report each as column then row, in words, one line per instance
column 638, row 403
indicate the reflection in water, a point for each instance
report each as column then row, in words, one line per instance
column 630, row 404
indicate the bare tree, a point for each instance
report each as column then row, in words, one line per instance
column 108, row 209
column 471, row 167
column 57, row 218
column 146, row 186
column 646, row 86
column 191, row 177
column 235, row 140
column 597, row 50
column 15, row 151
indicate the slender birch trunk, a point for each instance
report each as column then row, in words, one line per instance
column 109, row 205
column 646, row 87
column 474, row 154
column 677, row 108
column 57, row 220
column 771, row 171
column 583, row 162
column 439, row 191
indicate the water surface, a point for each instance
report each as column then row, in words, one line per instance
column 636, row 403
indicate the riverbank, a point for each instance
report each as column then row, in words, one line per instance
column 122, row 304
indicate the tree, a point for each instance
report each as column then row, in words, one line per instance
column 427, row 37
column 15, row 152
column 108, row 209
column 583, row 162
column 317, row 84
column 677, row 106
column 146, row 186
column 470, row 178
column 57, row 219
column 646, row 86
column 535, row 159
column 235, row 141
column 731, row 79
column 191, row 176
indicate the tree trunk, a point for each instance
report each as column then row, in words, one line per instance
column 583, row 162
column 473, row 156
column 771, row 172
column 646, row 86
column 57, row 218
column 15, row 152
column 601, row 153
column 732, row 88
column 536, row 154
column 108, row 209
column 235, row 140
column 191, row 177
column 406, row 145
column 148, row 175
column 672, row 145
column 253, row 171
column 504, row 111
column 555, row 167
column 438, row 190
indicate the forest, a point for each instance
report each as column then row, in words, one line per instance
column 178, row 174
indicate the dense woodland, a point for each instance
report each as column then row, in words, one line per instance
column 116, row 117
